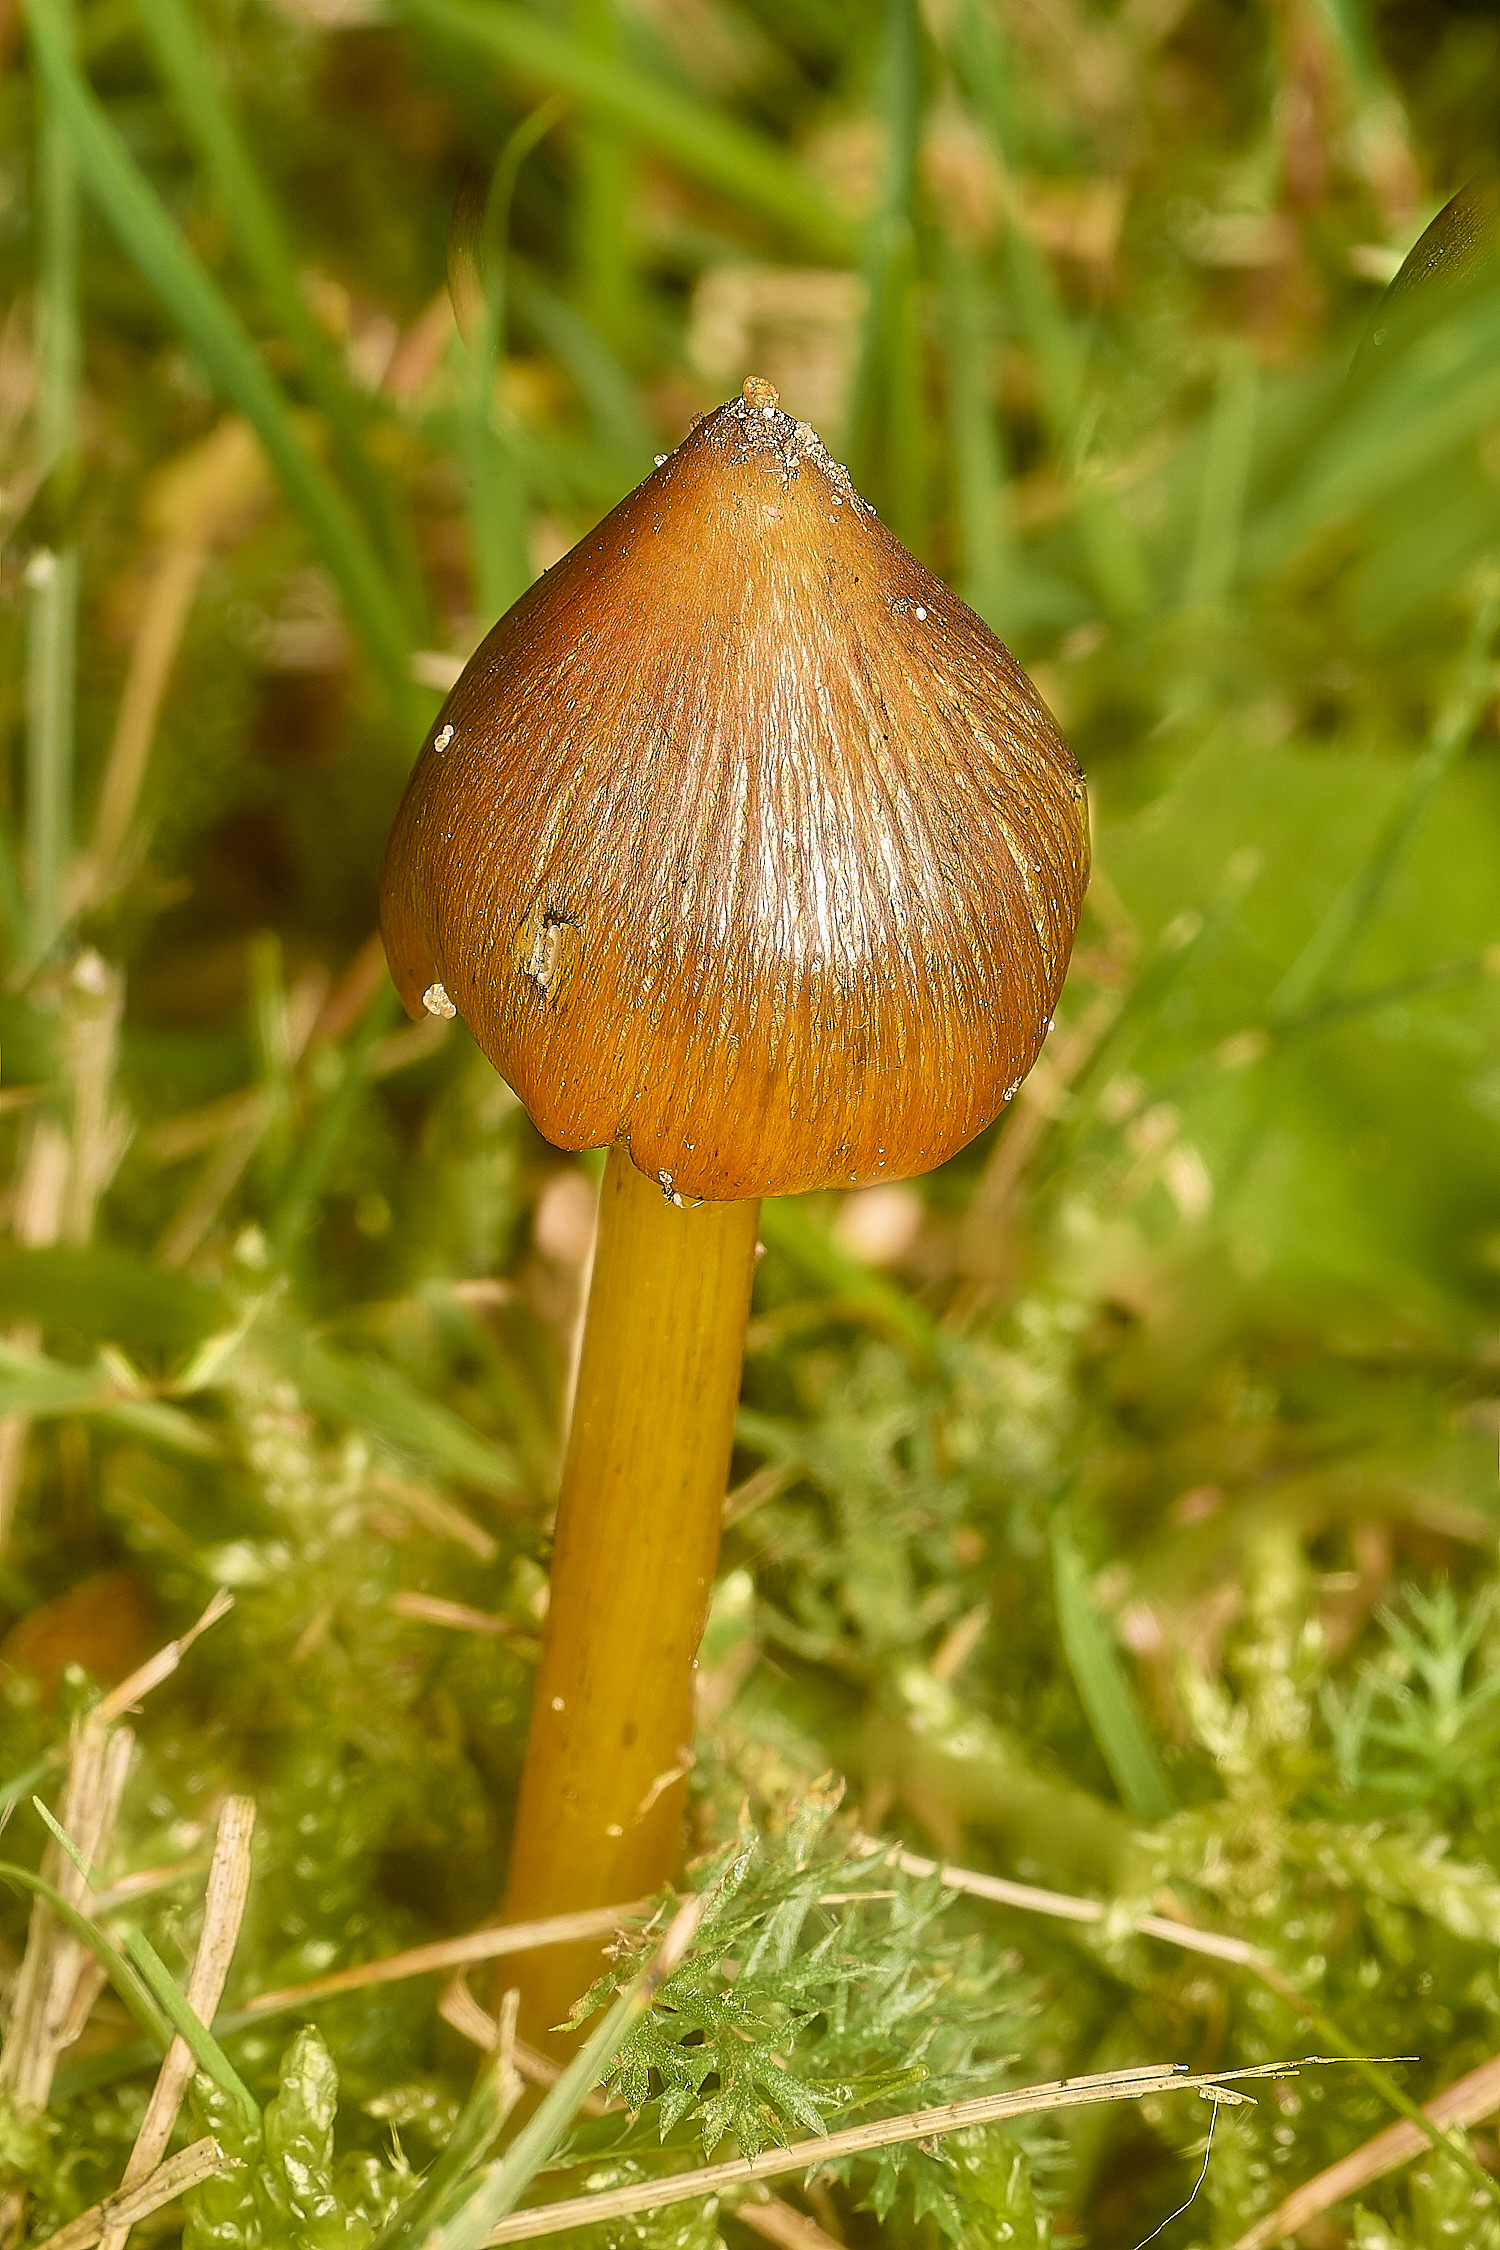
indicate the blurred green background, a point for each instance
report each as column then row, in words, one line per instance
column 1116, row 1508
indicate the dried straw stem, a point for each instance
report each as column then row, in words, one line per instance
column 121, row 2211
column 44, row 2016
column 223, row 1910
column 919, row 2125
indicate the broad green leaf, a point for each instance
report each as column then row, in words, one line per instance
column 109, row 1295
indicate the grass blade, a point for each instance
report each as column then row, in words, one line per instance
column 986, row 535
column 1104, row 1686
column 715, row 149
column 52, row 622
column 120, row 1972
column 319, row 1147
column 1111, row 548
column 377, row 1398
column 173, row 32
column 786, row 1228
column 883, row 380
column 602, row 382
column 52, row 578
column 1226, row 473
column 160, row 1983
column 503, row 2187
column 206, row 2051
column 1336, row 940
column 134, row 210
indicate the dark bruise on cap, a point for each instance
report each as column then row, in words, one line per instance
column 742, row 838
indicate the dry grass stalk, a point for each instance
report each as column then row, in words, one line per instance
column 1062, row 1906
column 159, row 1667
column 458, row 1617
column 761, row 1485
column 36, row 1217
column 102, row 1128
column 59, row 1979
column 214, row 1186
column 1466, row 2102
column 449, row 1953
column 64, row 1173
column 206, row 495
column 147, row 1881
column 918, row 2125
column 164, row 615
column 512, row 2083
column 121, row 2211
column 778, row 2222
column 459, row 2008
column 769, row 2216
column 234, row 1131
column 462, row 2013
column 43, row 2007
column 435, row 1513
column 1042, row 1099
column 223, row 1910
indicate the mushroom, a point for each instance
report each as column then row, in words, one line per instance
column 746, row 850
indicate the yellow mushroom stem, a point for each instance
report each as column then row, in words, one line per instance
column 638, row 1521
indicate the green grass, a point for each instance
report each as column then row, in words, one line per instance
column 1127, row 1530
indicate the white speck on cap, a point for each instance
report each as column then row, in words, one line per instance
column 435, row 1000
column 441, row 741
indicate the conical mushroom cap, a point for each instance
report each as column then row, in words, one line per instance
column 742, row 838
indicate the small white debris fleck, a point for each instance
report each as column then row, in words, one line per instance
column 921, row 612
column 659, row 459
column 769, row 413
column 91, row 974
column 614, row 1829
column 441, row 741
column 558, row 1704
column 435, row 1000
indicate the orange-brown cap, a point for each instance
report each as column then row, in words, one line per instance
column 742, row 838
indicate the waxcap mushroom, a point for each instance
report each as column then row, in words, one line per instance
column 742, row 838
